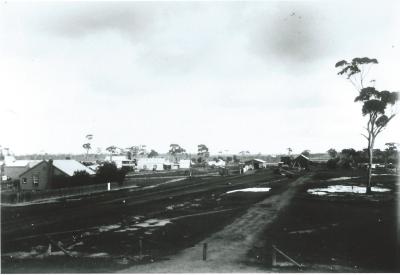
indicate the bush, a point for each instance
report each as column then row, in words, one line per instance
column 106, row 173
column 80, row 178
column 109, row 172
column 346, row 165
column 332, row 163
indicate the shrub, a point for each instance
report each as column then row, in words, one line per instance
column 332, row 163
column 109, row 172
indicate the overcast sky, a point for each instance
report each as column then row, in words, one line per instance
column 235, row 76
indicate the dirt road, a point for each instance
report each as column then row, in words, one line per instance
column 227, row 248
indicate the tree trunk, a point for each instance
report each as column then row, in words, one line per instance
column 370, row 150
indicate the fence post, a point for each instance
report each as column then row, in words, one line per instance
column 140, row 248
column 273, row 256
column 49, row 249
column 204, row 251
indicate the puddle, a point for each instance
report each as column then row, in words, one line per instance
column 344, row 189
column 342, row 178
column 98, row 255
column 152, row 223
column 74, row 245
column 36, row 254
column 253, row 189
column 106, row 228
column 177, row 206
column 129, row 229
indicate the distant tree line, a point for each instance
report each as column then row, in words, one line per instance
column 349, row 157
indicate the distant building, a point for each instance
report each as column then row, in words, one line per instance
column 156, row 164
column 256, row 163
column 320, row 158
column 217, row 163
column 184, row 163
column 121, row 161
column 2, row 176
column 40, row 176
column 301, row 161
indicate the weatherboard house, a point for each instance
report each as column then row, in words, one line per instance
column 39, row 176
column 13, row 169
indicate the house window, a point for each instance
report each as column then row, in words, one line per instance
column 35, row 180
column 24, row 180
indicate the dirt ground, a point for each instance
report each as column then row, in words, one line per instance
column 226, row 249
column 339, row 232
column 113, row 239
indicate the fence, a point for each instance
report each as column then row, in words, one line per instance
column 26, row 196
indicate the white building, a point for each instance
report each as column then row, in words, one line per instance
column 121, row 161
column 217, row 163
column 152, row 164
column 184, row 163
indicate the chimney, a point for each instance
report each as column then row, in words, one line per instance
column 50, row 174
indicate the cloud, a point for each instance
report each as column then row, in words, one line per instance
column 79, row 19
column 288, row 34
column 198, row 72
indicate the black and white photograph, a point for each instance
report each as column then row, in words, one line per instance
column 199, row 136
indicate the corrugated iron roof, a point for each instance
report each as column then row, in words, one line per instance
column 70, row 166
column 23, row 163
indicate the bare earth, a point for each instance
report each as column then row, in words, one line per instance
column 227, row 248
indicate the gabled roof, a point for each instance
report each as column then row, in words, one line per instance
column 37, row 164
column 255, row 160
column 70, row 166
column 67, row 166
column 301, row 155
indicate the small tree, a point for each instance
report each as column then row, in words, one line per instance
column 347, row 157
column 332, row 153
column 376, row 105
column 107, row 172
column 87, row 147
column 175, row 149
column 111, row 149
column 152, row 154
column 202, row 152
